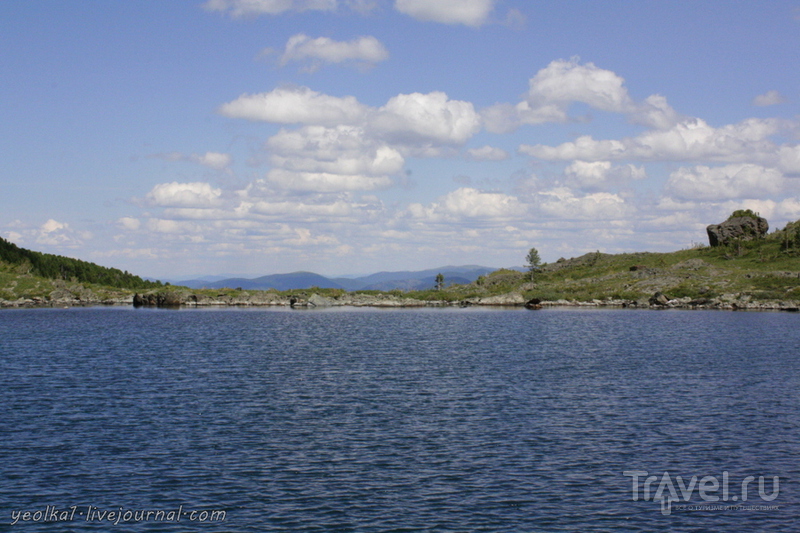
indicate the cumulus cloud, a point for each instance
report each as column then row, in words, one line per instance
column 298, row 105
column 129, row 223
column 52, row 226
column 726, row 182
column 329, row 159
column 469, row 203
column 432, row 117
column 14, row 237
column 363, row 51
column 598, row 174
column 417, row 121
column 554, row 88
column 487, row 153
column 55, row 233
column 341, row 150
column 215, row 160
column 249, row 8
column 563, row 82
column 789, row 159
column 197, row 194
column 468, row 12
column 768, row 98
column 505, row 118
column 325, row 181
column 689, row 140
column 563, row 203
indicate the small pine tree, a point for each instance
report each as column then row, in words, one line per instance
column 439, row 281
column 533, row 261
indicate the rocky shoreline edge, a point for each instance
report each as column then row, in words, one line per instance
column 304, row 300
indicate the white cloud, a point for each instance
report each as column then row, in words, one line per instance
column 690, row 140
column 427, row 117
column 293, row 209
column 365, row 50
column 315, row 158
column 505, row 118
column 215, row 160
column 554, row 88
column 468, row 12
column 55, row 233
column 416, row 121
column 584, row 147
column 129, row 223
column 52, row 226
column 597, row 174
column 197, row 194
column 588, row 174
column 768, row 98
column 789, row 159
column 656, row 113
column 721, row 183
column 325, row 181
column 487, row 153
column 469, row 203
column 562, row 203
column 14, row 237
column 298, row 105
column 563, row 82
column 340, row 150
column 246, row 8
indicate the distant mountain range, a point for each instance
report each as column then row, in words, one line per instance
column 381, row 281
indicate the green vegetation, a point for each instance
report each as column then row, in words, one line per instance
column 747, row 213
column 65, row 268
column 532, row 260
column 766, row 269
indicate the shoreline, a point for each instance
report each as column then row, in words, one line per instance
column 315, row 301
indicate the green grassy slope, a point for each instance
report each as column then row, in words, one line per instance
column 49, row 266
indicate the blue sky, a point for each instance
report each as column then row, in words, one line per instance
column 175, row 139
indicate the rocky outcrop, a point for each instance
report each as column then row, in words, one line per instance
column 320, row 301
column 533, row 304
column 160, row 299
column 737, row 228
column 659, row 299
column 511, row 299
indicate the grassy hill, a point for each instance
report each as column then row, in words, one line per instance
column 762, row 270
column 43, row 278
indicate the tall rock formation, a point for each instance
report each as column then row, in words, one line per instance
column 744, row 228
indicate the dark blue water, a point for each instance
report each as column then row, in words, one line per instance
column 398, row 420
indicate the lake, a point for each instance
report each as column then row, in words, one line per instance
column 357, row 419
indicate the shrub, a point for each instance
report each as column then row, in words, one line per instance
column 744, row 213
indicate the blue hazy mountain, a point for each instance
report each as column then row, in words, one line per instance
column 382, row 281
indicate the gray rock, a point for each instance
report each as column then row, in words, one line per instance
column 320, row 301
column 511, row 298
column 61, row 296
column 744, row 228
column 659, row 299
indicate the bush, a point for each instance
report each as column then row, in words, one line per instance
column 749, row 213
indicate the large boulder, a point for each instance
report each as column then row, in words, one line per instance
column 319, row 301
column 737, row 228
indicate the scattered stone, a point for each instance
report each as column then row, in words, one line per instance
column 659, row 299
